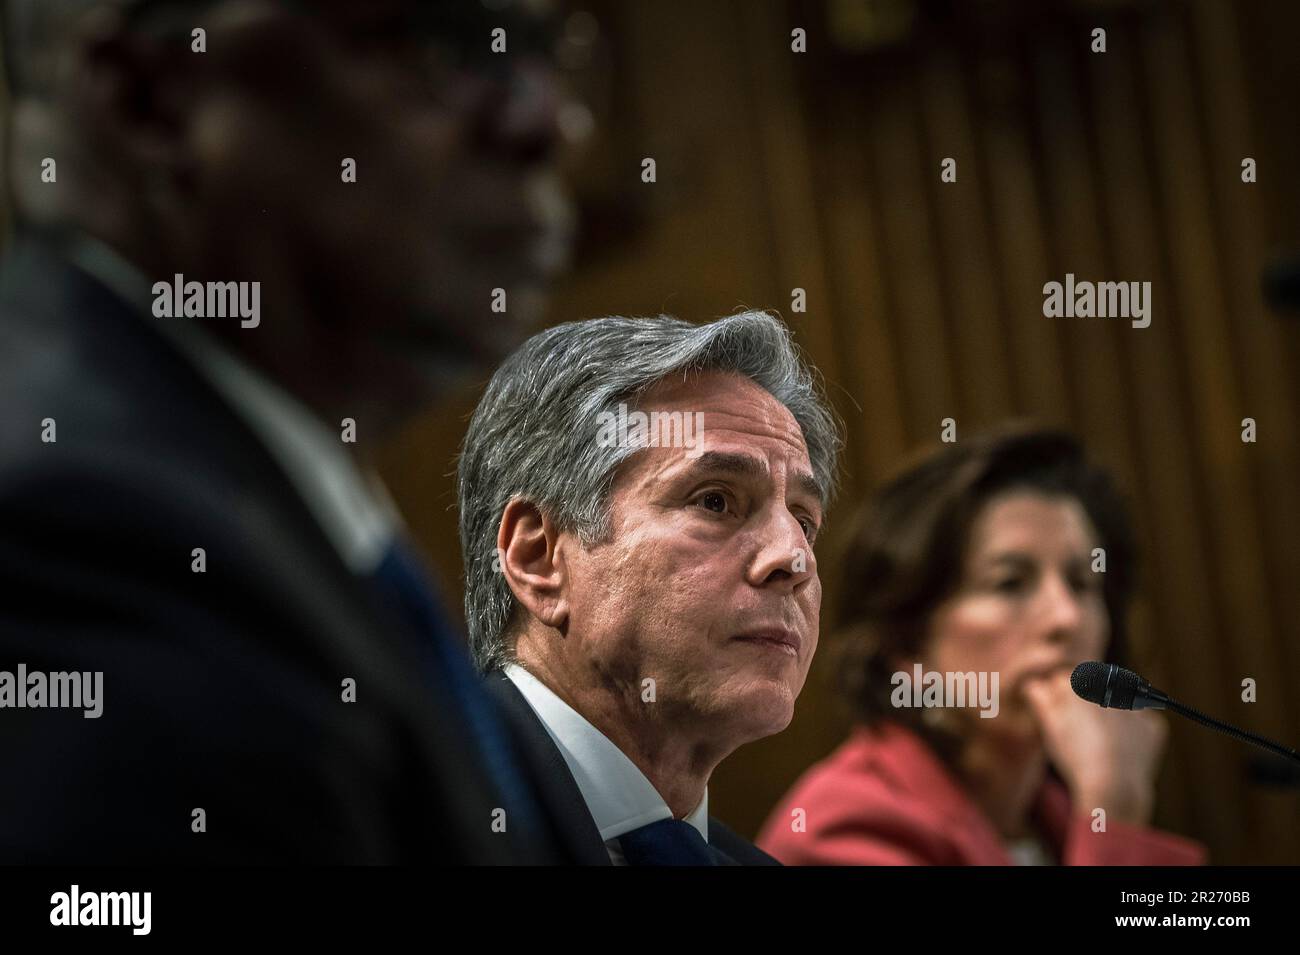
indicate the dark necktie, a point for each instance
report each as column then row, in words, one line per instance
column 666, row 842
column 402, row 581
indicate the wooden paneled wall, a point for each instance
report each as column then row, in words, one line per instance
column 821, row 171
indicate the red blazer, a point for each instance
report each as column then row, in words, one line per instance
column 885, row 798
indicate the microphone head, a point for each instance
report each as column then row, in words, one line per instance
column 1106, row 684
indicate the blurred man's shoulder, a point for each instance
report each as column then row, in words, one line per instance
column 91, row 394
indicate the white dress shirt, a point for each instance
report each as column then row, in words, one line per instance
column 617, row 793
column 352, row 508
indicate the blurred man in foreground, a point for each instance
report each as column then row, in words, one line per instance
column 254, row 236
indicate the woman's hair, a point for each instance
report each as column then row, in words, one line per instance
column 906, row 553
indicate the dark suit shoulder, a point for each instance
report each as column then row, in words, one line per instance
column 114, row 387
column 742, row 850
column 556, row 788
column 221, row 680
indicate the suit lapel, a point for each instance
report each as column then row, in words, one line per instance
column 559, row 791
column 721, row 857
column 733, row 849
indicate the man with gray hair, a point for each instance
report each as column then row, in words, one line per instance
column 639, row 504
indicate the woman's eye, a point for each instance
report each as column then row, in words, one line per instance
column 1009, row 585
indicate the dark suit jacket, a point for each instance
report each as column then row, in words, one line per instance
column 564, row 799
column 222, row 690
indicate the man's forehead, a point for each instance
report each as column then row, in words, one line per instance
column 741, row 430
column 732, row 412
column 728, row 400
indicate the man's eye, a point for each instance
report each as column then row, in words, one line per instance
column 714, row 501
column 809, row 528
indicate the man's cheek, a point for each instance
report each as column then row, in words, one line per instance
column 812, row 605
column 814, row 638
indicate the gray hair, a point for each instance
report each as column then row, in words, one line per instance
column 531, row 436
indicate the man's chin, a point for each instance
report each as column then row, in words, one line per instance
column 767, row 706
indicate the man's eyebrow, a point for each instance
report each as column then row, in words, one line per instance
column 744, row 465
column 727, row 462
column 808, row 484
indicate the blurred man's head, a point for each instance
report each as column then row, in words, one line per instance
column 229, row 165
column 603, row 550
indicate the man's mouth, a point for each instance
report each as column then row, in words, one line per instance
column 777, row 639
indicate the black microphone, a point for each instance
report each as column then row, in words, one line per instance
column 1112, row 686
column 1109, row 685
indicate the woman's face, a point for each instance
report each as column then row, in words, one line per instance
column 1029, row 603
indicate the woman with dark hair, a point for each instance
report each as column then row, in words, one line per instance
column 1001, row 562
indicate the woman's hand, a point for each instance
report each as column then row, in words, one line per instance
column 1108, row 758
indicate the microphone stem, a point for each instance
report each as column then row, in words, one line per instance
column 1268, row 744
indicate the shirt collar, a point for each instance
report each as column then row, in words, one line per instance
column 352, row 507
column 617, row 793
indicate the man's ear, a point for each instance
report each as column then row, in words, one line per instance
column 533, row 562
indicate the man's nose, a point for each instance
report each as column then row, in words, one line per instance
column 785, row 558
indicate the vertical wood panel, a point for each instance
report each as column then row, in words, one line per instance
column 1020, row 236
column 1269, row 497
column 1091, row 345
column 926, row 355
column 1216, row 398
column 974, row 307
column 862, row 306
column 1178, row 582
